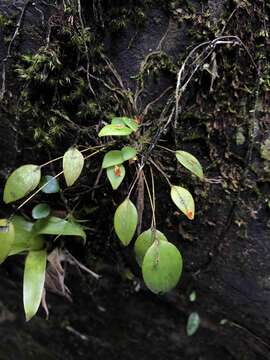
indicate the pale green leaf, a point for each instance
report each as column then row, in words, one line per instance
column 130, row 123
column 128, row 153
column 193, row 323
column 41, row 211
column 25, row 237
column 21, row 182
column 116, row 175
column 144, row 241
column 57, row 226
column 192, row 296
column 7, row 236
column 33, row 281
column 183, row 200
column 115, row 130
column 162, row 267
column 73, row 162
column 125, row 221
column 52, row 185
column 112, row 158
column 190, row 162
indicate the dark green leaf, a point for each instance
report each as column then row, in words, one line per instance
column 112, row 158
column 162, row 267
column 116, row 175
column 21, row 182
column 144, row 241
column 33, row 281
column 52, row 185
column 190, row 162
column 128, row 153
column 57, row 226
column 73, row 162
column 183, row 200
column 7, row 236
column 193, row 323
column 41, row 211
column 115, row 130
column 125, row 221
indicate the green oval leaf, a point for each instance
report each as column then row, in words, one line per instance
column 162, row 267
column 52, row 185
column 128, row 153
column 112, row 158
column 116, row 175
column 33, row 281
column 41, row 211
column 183, row 200
column 57, row 226
column 193, row 323
column 115, row 130
column 21, row 182
column 73, row 162
column 144, row 241
column 25, row 237
column 190, row 162
column 129, row 122
column 125, row 221
column 7, row 236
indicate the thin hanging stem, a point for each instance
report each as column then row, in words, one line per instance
column 82, row 151
column 165, row 148
column 151, row 202
column 43, row 186
column 162, row 172
column 33, row 195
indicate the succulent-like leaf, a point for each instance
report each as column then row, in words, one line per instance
column 144, row 241
column 73, row 162
column 125, row 221
column 57, row 226
column 183, row 200
column 33, row 281
column 129, row 122
column 112, row 158
column 128, row 153
column 25, row 237
column 193, row 323
column 21, row 182
column 41, row 211
column 115, row 130
column 162, row 267
column 52, row 185
column 7, row 236
column 116, row 175
column 190, row 162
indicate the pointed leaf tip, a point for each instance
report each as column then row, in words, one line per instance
column 33, row 281
column 73, row 162
column 125, row 221
column 116, row 175
column 190, row 162
column 183, row 200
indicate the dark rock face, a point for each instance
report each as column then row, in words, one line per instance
column 227, row 263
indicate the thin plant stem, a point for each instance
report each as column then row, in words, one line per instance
column 161, row 171
column 34, row 194
column 151, row 202
column 165, row 148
